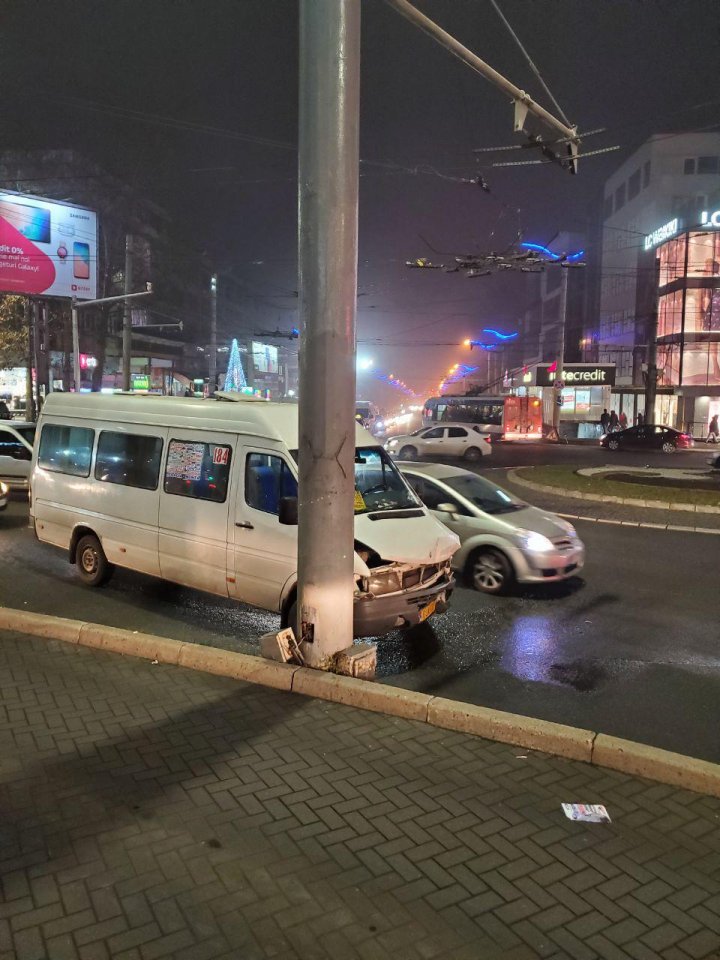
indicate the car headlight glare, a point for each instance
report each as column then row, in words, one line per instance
column 535, row 542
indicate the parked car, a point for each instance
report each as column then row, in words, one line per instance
column 503, row 539
column 465, row 440
column 16, row 447
column 647, row 437
column 4, row 492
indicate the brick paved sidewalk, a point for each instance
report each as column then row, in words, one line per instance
column 148, row 812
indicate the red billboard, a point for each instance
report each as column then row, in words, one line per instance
column 47, row 248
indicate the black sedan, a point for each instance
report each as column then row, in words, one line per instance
column 648, row 437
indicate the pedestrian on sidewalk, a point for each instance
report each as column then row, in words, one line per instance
column 614, row 421
column 604, row 421
column 713, row 430
column 622, row 420
column 640, row 420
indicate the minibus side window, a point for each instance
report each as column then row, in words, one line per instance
column 66, row 449
column 198, row 470
column 130, row 459
column 267, row 479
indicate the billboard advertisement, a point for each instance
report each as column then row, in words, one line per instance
column 47, row 248
column 265, row 357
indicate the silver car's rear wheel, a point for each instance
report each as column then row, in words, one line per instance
column 490, row 571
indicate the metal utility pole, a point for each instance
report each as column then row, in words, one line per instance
column 557, row 395
column 29, row 390
column 212, row 359
column 127, row 314
column 76, row 344
column 94, row 303
column 652, row 370
column 327, row 240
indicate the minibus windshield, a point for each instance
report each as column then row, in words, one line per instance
column 379, row 485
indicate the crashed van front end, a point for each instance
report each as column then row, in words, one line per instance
column 398, row 582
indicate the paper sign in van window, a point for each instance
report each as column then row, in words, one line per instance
column 359, row 502
column 185, row 460
column 220, row 454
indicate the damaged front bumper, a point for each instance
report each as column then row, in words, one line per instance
column 375, row 615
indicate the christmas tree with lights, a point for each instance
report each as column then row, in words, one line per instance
column 235, row 377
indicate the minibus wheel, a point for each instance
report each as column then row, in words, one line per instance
column 92, row 564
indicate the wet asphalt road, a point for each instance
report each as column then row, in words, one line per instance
column 632, row 647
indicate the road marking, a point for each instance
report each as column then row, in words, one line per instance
column 644, row 526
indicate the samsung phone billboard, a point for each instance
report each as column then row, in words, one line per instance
column 47, row 248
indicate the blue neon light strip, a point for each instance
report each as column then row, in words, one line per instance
column 571, row 257
column 541, row 249
column 500, row 336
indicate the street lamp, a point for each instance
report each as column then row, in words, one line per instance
column 75, row 306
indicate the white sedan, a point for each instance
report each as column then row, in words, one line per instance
column 447, row 440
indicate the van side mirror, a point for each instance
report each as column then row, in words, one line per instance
column 447, row 508
column 288, row 513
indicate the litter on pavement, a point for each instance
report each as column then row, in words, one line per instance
column 586, row 812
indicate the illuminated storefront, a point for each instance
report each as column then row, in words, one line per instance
column 688, row 332
column 585, row 393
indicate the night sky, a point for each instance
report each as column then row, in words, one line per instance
column 636, row 66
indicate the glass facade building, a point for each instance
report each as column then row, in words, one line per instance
column 688, row 332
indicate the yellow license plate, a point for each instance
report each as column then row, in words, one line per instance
column 428, row 611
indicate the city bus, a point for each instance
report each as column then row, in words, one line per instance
column 509, row 417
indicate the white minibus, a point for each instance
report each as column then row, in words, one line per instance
column 204, row 493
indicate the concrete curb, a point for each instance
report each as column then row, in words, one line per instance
column 626, row 756
column 362, row 693
column 555, row 738
column 626, row 501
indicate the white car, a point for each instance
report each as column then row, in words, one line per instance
column 503, row 539
column 16, row 447
column 465, row 440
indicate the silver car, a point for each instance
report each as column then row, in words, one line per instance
column 16, row 447
column 503, row 539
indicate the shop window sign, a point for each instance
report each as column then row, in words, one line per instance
column 582, row 401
